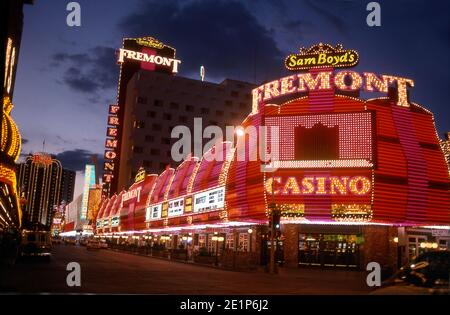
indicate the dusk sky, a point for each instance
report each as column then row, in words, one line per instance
column 67, row 76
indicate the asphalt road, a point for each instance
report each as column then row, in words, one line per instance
column 107, row 271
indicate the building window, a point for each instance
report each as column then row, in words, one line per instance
column 170, row 129
column 137, row 149
column 213, row 122
column 149, row 138
column 141, row 100
column 189, row 108
column 165, row 141
column 167, row 116
column 139, row 124
column 234, row 115
column 154, row 151
column 219, row 112
column 151, row 114
column 174, row 105
column 182, row 119
column 229, row 103
column 156, row 127
column 242, row 105
column 158, row 103
column 205, row 110
column 243, row 242
column 234, row 93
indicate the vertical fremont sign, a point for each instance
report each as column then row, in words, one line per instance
column 145, row 53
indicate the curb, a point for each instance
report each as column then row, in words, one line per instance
column 182, row 261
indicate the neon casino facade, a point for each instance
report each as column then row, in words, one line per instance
column 356, row 180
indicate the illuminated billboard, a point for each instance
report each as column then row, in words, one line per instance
column 89, row 181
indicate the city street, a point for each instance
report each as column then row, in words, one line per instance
column 107, row 271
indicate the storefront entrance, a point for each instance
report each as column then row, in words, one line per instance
column 329, row 250
column 265, row 250
column 414, row 248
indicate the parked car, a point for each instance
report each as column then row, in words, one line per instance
column 93, row 245
column 36, row 244
column 428, row 273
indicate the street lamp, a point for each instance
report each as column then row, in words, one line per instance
column 240, row 131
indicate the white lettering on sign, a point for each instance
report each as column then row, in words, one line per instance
column 153, row 212
column 159, row 60
column 131, row 194
column 176, row 207
column 209, row 200
column 304, row 82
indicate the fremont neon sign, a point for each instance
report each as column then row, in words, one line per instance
column 140, row 56
column 325, row 80
column 319, row 185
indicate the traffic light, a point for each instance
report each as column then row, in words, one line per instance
column 276, row 215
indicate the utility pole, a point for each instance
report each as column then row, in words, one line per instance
column 272, row 266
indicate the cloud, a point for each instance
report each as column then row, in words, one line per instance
column 321, row 9
column 89, row 72
column 238, row 46
column 77, row 159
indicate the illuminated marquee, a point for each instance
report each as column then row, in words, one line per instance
column 209, row 200
column 132, row 194
column 153, row 212
column 319, row 185
column 176, row 207
column 150, row 42
column 321, row 55
column 42, row 159
column 144, row 57
column 140, row 176
column 324, row 80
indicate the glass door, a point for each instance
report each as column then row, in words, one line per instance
column 414, row 248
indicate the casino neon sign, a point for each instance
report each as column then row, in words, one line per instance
column 319, row 185
column 324, row 58
column 321, row 55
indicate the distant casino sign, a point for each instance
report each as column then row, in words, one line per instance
column 322, row 55
column 149, row 58
column 150, row 42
